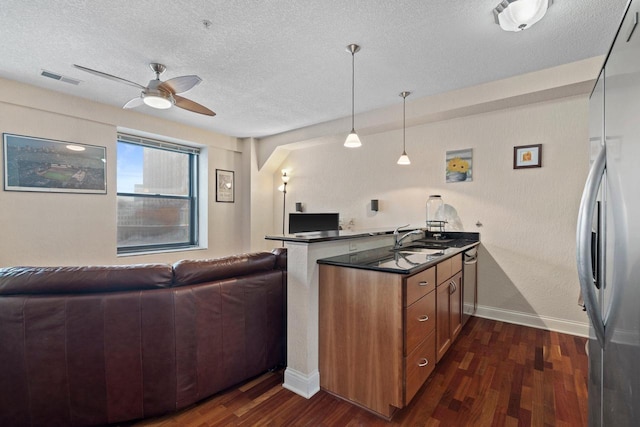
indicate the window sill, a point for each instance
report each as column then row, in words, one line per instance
column 161, row 251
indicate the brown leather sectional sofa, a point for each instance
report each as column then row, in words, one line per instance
column 97, row 345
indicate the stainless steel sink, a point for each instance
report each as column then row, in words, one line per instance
column 422, row 247
column 407, row 258
column 432, row 241
column 429, row 251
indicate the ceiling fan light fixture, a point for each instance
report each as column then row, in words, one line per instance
column 159, row 94
column 517, row 15
column 157, row 99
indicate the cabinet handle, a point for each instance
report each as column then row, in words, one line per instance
column 452, row 287
column 423, row 362
column 423, row 318
column 423, row 283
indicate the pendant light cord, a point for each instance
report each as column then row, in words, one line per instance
column 404, row 159
column 404, row 123
column 353, row 89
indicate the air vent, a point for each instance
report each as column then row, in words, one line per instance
column 56, row 76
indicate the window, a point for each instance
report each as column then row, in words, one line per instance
column 157, row 195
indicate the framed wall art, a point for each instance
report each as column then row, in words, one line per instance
column 224, row 186
column 459, row 166
column 527, row 156
column 46, row 165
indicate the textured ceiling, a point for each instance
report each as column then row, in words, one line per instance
column 276, row 65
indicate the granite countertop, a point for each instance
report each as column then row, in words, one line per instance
column 405, row 260
column 325, row 236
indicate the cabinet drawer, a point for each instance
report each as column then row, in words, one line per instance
column 420, row 321
column 418, row 366
column 447, row 268
column 456, row 264
column 444, row 270
column 419, row 285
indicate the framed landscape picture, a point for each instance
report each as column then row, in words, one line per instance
column 224, row 186
column 46, row 165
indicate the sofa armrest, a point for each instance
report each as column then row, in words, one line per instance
column 281, row 258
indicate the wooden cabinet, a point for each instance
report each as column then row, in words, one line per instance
column 381, row 334
column 449, row 303
column 377, row 335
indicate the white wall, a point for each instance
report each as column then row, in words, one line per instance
column 529, row 216
column 78, row 229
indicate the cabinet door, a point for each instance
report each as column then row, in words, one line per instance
column 443, row 319
column 455, row 305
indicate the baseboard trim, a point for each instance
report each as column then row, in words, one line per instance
column 541, row 322
column 301, row 384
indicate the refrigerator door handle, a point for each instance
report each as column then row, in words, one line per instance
column 583, row 251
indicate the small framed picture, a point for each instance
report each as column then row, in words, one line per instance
column 459, row 166
column 527, row 156
column 224, row 186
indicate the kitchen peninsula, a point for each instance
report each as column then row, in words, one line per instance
column 304, row 250
column 387, row 316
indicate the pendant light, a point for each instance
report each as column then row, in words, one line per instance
column 352, row 140
column 404, row 159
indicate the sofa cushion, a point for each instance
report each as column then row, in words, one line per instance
column 66, row 280
column 189, row 272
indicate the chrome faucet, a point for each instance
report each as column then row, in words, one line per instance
column 399, row 239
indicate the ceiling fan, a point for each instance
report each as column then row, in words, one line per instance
column 159, row 94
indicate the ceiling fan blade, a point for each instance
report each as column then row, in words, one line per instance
column 180, row 84
column 135, row 102
column 190, row 105
column 108, row 76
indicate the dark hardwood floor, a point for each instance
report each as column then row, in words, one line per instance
column 495, row 374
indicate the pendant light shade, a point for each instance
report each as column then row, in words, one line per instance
column 404, row 159
column 517, row 15
column 352, row 141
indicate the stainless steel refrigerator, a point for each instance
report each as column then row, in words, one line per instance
column 608, row 238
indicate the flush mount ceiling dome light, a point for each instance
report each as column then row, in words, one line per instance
column 352, row 141
column 517, row 15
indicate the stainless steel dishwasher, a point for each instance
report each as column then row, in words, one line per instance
column 469, row 284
